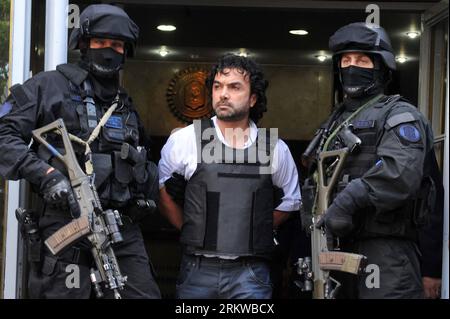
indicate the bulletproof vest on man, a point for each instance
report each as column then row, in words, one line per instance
column 228, row 203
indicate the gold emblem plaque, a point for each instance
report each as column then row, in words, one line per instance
column 188, row 96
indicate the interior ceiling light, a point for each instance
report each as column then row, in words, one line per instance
column 298, row 32
column 321, row 57
column 243, row 53
column 163, row 51
column 401, row 59
column 413, row 34
column 166, row 27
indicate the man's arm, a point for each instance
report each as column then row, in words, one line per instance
column 393, row 180
column 17, row 160
column 287, row 189
column 430, row 236
column 396, row 177
column 171, row 210
column 172, row 169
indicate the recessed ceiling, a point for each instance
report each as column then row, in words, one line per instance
column 203, row 34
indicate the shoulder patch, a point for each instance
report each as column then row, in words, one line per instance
column 409, row 133
column 5, row 109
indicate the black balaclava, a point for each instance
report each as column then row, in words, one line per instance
column 103, row 66
column 360, row 84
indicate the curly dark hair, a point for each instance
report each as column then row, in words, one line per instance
column 258, row 84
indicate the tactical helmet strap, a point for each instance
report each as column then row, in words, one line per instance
column 85, row 28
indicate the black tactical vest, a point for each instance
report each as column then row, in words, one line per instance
column 228, row 207
column 114, row 178
column 369, row 126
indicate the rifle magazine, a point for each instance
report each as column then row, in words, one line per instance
column 68, row 234
column 341, row 261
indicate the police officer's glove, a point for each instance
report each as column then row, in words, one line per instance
column 338, row 219
column 175, row 187
column 278, row 195
column 57, row 193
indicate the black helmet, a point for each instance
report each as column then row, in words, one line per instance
column 363, row 37
column 105, row 21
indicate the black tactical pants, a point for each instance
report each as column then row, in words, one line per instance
column 67, row 276
column 393, row 271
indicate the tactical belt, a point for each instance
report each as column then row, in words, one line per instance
column 216, row 261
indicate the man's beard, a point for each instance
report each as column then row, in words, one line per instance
column 232, row 115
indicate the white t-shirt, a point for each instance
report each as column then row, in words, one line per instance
column 179, row 155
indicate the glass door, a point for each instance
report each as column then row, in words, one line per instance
column 433, row 103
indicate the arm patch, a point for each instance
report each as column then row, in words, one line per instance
column 408, row 134
column 405, row 126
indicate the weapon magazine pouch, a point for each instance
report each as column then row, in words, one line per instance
column 123, row 176
column 149, row 189
column 308, row 197
column 102, row 168
column 31, row 235
column 111, row 140
column 140, row 172
column 34, row 249
column 112, row 134
column 49, row 265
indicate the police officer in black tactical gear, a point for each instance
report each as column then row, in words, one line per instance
column 385, row 190
column 80, row 94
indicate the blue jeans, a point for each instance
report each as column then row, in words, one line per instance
column 214, row 278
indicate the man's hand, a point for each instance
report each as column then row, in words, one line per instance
column 337, row 221
column 431, row 287
column 57, row 193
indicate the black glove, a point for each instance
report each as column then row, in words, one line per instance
column 175, row 187
column 57, row 193
column 331, row 239
column 338, row 219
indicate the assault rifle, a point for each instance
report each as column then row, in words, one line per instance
column 326, row 256
column 98, row 225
